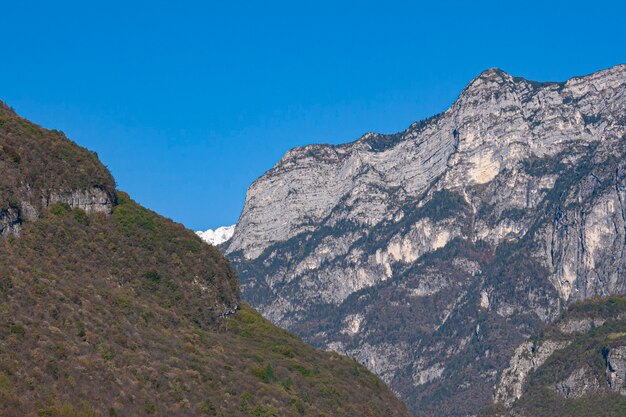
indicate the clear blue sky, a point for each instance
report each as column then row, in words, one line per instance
column 188, row 102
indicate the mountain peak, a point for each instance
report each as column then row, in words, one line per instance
column 491, row 72
column 217, row 236
column 500, row 210
column 489, row 77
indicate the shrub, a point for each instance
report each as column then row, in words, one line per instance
column 17, row 329
column 265, row 373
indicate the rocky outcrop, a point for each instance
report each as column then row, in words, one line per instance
column 616, row 369
column 10, row 222
column 527, row 357
column 580, row 382
column 453, row 240
column 93, row 200
column 579, row 325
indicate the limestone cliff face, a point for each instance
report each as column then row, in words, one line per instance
column 527, row 357
column 444, row 246
column 93, row 200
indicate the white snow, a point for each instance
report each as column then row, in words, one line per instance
column 217, row 236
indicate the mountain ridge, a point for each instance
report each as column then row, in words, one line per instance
column 333, row 153
column 501, row 211
column 218, row 236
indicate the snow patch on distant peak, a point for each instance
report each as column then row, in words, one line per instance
column 217, row 236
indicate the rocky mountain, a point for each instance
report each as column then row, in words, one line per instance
column 575, row 366
column 217, row 236
column 108, row 309
column 430, row 255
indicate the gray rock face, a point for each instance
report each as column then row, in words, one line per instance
column 93, row 200
column 9, row 222
column 616, row 369
column 527, row 357
column 580, row 325
column 441, row 248
column 581, row 382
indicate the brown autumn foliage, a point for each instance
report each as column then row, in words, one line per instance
column 124, row 314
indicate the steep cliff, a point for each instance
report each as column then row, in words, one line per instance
column 107, row 308
column 441, row 248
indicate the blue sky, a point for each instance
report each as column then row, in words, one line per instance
column 188, row 102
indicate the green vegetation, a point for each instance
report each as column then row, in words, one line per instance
column 67, row 410
column 265, row 373
column 598, row 307
column 442, row 205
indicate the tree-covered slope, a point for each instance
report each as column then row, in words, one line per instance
column 42, row 167
column 119, row 311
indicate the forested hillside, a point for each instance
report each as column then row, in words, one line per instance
column 108, row 309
